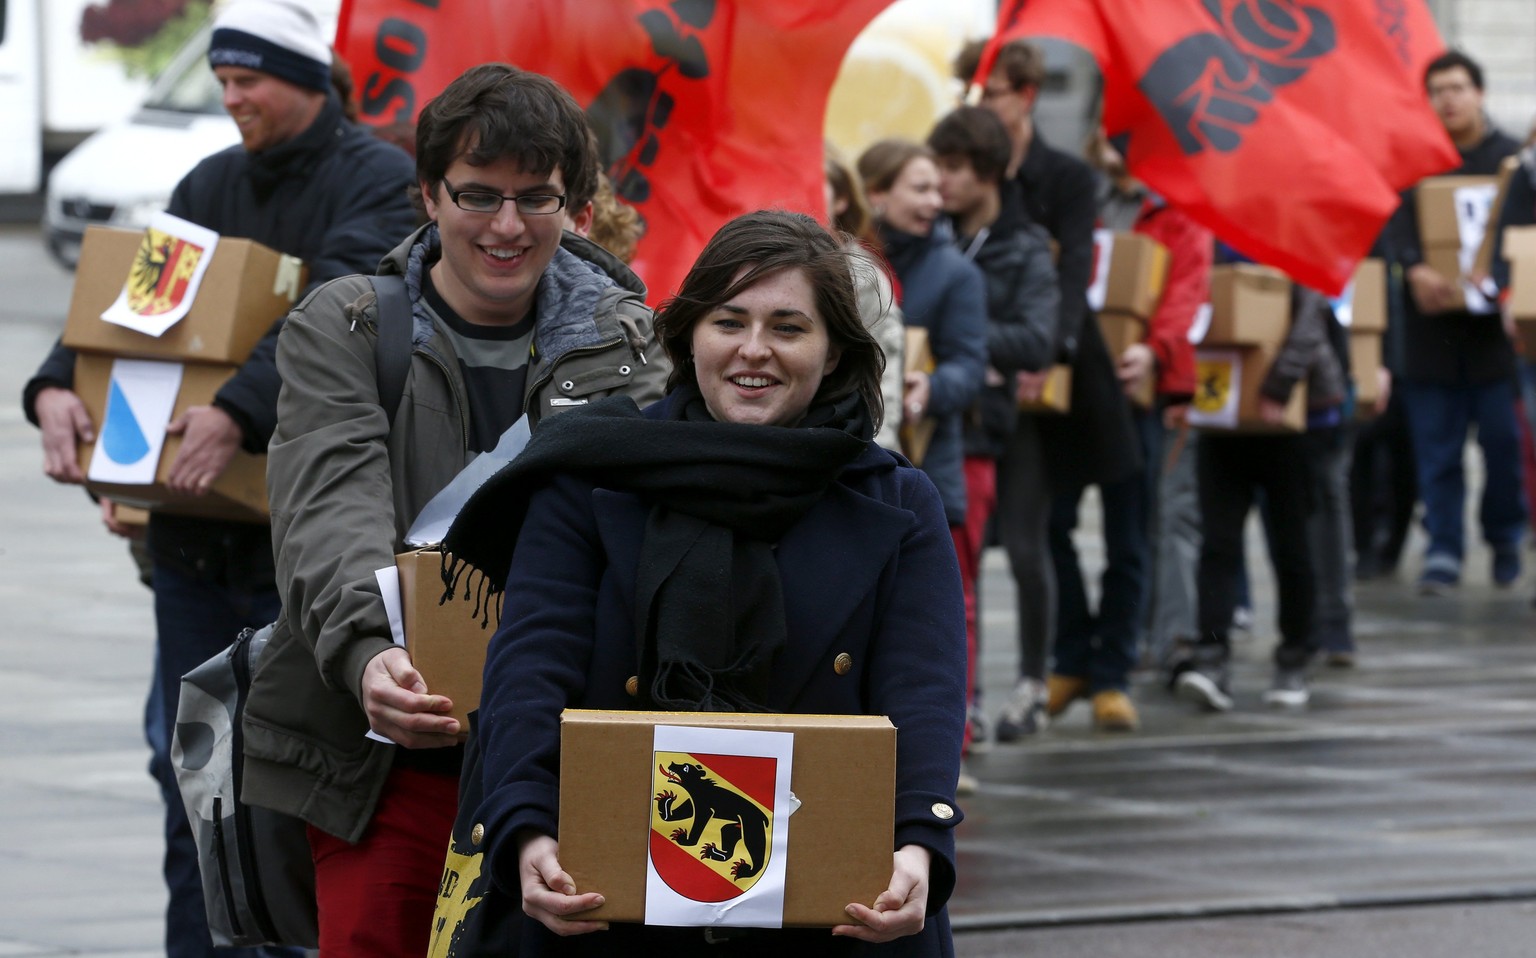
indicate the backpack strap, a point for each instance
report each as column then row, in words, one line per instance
column 392, row 350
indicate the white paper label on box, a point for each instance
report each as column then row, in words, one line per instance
column 719, row 827
column 1098, row 285
column 1474, row 206
column 163, row 281
column 1218, row 388
column 1201, row 324
column 140, row 397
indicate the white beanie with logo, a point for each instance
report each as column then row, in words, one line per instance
column 280, row 37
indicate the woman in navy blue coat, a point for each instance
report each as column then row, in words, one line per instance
column 780, row 560
column 941, row 291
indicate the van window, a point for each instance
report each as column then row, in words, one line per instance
column 187, row 85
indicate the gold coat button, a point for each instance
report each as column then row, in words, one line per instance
column 940, row 810
column 477, row 835
column 843, row 664
column 632, row 685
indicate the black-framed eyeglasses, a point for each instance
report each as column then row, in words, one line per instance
column 529, row 204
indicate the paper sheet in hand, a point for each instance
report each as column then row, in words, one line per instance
column 163, row 280
column 432, row 524
column 388, row 579
column 140, row 397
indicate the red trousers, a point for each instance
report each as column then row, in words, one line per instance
column 970, row 539
column 377, row 897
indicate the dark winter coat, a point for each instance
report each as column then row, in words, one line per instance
column 1095, row 442
column 945, row 294
column 1023, row 306
column 346, row 482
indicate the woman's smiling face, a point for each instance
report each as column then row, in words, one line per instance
column 913, row 202
column 761, row 355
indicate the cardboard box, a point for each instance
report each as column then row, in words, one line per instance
column 1368, row 301
column 1227, row 381
column 240, row 493
column 1121, row 331
column 1365, row 366
column 245, row 289
column 840, row 838
column 1520, row 250
column 1056, row 395
column 129, row 515
column 1446, row 260
column 917, row 357
column 1129, row 273
column 1250, row 306
column 1440, row 224
column 447, row 640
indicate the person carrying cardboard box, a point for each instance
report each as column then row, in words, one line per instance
column 1233, row 467
column 509, row 317
column 1458, row 366
column 304, row 181
column 738, row 548
column 1095, row 442
column 1095, row 652
column 992, row 230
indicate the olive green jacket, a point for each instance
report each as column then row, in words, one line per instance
column 345, row 486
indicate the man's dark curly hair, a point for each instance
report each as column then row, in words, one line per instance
column 496, row 111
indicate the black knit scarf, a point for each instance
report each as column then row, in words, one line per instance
column 709, row 608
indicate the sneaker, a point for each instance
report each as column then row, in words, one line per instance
column 1437, row 582
column 981, row 729
column 1289, row 689
column 1113, row 711
column 1025, row 712
column 1204, row 689
column 1506, row 565
column 1061, row 691
column 1242, row 619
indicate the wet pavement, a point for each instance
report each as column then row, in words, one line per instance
column 1394, row 815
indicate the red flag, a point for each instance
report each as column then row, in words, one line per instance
column 705, row 109
column 1286, row 126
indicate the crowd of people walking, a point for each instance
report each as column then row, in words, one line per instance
column 717, row 511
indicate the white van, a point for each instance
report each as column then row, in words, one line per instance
column 124, row 173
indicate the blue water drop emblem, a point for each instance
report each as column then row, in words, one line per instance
column 121, row 436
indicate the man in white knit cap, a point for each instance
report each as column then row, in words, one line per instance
column 304, row 181
column 275, row 67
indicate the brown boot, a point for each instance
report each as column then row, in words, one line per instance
column 1061, row 691
column 1113, row 711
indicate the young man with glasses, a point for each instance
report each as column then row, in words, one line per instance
column 510, row 316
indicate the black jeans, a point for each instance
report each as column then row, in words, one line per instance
column 1102, row 647
column 1232, row 469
